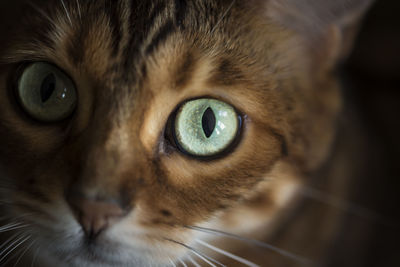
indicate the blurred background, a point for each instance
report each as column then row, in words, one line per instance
column 372, row 79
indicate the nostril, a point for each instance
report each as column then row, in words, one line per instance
column 94, row 215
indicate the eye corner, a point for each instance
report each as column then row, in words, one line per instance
column 168, row 142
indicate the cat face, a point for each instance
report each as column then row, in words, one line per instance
column 125, row 122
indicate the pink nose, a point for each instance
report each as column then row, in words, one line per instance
column 94, row 215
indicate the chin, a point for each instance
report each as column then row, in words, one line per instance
column 62, row 243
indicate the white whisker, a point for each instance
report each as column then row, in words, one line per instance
column 13, row 228
column 8, row 240
column 344, row 205
column 18, row 254
column 193, row 261
column 79, row 9
column 228, row 254
column 35, row 256
column 10, row 225
column 18, row 241
column 202, row 256
column 253, row 242
column 11, row 244
column 41, row 12
column 223, row 16
column 183, row 263
column 172, row 263
column 66, row 12
column 23, row 253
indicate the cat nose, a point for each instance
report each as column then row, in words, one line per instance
column 95, row 215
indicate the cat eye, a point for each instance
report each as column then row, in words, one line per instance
column 205, row 127
column 46, row 93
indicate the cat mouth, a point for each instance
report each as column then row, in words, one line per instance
column 104, row 252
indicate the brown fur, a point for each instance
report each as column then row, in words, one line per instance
column 131, row 75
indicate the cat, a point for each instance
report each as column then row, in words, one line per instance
column 153, row 133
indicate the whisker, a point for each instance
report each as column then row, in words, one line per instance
column 23, row 253
column 228, row 254
column 12, row 244
column 66, row 12
column 183, row 263
column 192, row 261
column 204, row 259
column 35, row 256
column 41, row 12
column 172, row 263
column 15, row 247
column 223, row 16
column 282, row 252
column 344, row 205
column 202, row 256
column 13, row 228
column 10, row 225
column 79, row 9
column 18, row 254
column 14, row 219
column 8, row 240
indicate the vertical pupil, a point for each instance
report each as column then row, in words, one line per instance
column 208, row 122
column 47, row 88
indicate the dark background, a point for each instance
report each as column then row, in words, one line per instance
column 372, row 78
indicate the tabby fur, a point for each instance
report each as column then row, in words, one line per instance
column 133, row 63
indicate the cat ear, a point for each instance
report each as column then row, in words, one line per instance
column 313, row 16
column 329, row 26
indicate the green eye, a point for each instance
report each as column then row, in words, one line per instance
column 46, row 93
column 205, row 127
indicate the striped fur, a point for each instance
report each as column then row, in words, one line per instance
column 133, row 62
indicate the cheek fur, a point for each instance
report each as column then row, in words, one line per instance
column 97, row 190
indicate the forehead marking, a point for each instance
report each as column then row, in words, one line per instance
column 114, row 13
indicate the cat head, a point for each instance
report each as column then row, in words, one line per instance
column 124, row 122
